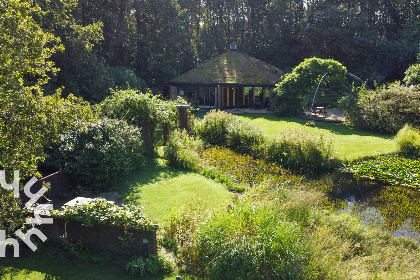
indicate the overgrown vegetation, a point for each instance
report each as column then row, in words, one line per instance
column 183, row 150
column 386, row 109
column 299, row 149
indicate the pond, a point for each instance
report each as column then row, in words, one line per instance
column 392, row 208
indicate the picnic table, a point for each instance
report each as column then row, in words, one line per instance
column 319, row 111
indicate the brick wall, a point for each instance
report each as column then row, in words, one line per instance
column 102, row 237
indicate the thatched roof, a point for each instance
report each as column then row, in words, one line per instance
column 231, row 67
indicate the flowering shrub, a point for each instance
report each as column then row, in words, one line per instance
column 101, row 212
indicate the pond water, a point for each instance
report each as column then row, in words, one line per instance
column 392, row 208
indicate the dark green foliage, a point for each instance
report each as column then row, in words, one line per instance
column 125, row 78
column 298, row 149
column 296, row 89
column 386, row 109
column 100, row 155
column 213, row 128
column 183, row 150
column 408, row 140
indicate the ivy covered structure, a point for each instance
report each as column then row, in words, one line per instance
column 231, row 80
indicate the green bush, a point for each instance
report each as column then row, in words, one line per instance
column 213, row 128
column 386, row 109
column 243, row 137
column 183, row 150
column 298, row 149
column 296, row 89
column 408, row 140
column 100, row 155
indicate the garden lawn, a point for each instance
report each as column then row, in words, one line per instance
column 160, row 188
column 56, row 264
column 349, row 143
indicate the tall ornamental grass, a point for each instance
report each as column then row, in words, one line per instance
column 408, row 140
column 244, row 241
column 298, row 149
column 183, row 150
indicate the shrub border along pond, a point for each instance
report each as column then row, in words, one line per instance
column 292, row 149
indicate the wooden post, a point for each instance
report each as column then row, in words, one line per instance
column 234, row 97
column 219, row 97
column 166, row 127
column 183, row 116
column 227, row 92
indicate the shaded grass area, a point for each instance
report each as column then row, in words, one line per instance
column 160, row 188
column 54, row 263
column 349, row 143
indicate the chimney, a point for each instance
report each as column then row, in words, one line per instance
column 233, row 46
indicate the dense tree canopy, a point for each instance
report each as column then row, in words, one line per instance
column 158, row 40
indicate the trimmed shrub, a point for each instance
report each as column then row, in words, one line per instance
column 243, row 137
column 298, row 149
column 213, row 128
column 183, row 150
column 100, row 155
column 408, row 140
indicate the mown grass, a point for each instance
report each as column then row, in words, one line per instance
column 349, row 143
column 160, row 188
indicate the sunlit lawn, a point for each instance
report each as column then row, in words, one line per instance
column 160, row 188
column 348, row 143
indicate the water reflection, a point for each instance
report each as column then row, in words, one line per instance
column 392, row 208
